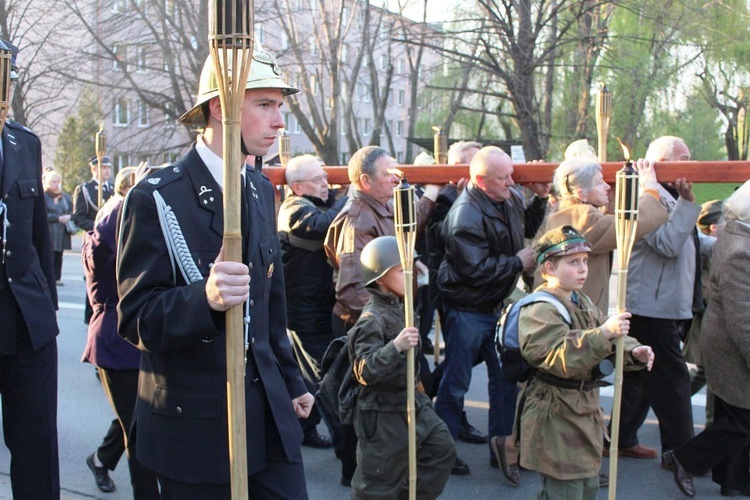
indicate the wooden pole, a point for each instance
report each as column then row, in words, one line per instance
column 694, row 171
column 626, row 222
column 6, row 64
column 231, row 42
column 101, row 150
column 603, row 114
column 406, row 233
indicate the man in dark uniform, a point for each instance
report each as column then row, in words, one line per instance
column 174, row 289
column 28, row 300
column 86, row 206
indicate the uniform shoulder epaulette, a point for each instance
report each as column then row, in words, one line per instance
column 162, row 177
column 17, row 126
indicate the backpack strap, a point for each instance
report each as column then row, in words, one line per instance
column 542, row 296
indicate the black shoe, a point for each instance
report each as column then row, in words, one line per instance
column 315, row 440
column 603, row 480
column 460, row 468
column 346, row 481
column 101, row 476
column 734, row 492
column 469, row 434
column 682, row 478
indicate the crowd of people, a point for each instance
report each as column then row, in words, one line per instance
column 324, row 269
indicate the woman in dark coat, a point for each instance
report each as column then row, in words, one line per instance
column 117, row 360
column 59, row 207
column 724, row 447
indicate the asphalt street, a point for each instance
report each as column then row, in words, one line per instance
column 84, row 415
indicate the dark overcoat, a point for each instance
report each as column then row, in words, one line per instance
column 180, row 424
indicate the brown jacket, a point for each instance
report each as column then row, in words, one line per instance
column 361, row 220
column 725, row 333
column 599, row 230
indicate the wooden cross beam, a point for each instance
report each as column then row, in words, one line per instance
column 694, row 171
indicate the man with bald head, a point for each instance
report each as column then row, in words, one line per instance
column 484, row 255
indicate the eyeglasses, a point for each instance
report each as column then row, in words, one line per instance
column 318, row 179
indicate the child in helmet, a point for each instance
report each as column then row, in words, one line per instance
column 561, row 424
column 377, row 346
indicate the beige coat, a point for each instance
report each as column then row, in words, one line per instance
column 725, row 332
column 599, row 230
column 562, row 429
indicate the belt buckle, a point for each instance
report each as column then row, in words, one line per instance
column 580, row 387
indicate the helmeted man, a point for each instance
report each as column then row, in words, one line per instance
column 28, row 326
column 174, row 288
column 304, row 218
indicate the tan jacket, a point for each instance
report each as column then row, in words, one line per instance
column 562, row 429
column 599, row 230
column 361, row 220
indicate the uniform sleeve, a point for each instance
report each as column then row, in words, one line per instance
column 376, row 362
column 156, row 312
column 547, row 343
column 81, row 210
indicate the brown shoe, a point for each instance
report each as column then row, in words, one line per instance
column 509, row 470
column 682, row 478
column 637, row 451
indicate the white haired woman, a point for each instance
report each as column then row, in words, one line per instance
column 724, row 447
column 583, row 192
column 59, row 207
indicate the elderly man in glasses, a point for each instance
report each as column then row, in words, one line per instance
column 304, row 218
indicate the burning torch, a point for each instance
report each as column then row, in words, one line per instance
column 405, row 221
column 626, row 222
column 230, row 38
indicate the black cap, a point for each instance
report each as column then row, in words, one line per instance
column 94, row 161
column 5, row 44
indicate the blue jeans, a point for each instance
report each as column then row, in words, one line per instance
column 471, row 335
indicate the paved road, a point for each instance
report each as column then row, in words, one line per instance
column 84, row 416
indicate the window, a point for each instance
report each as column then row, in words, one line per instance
column 345, row 16
column 390, row 97
column 344, row 158
column 284, row 41
column 170, row 158
column 401, row 98
column 366, row 128
column 118, row 6
column 169, row 6
column 400, row 157
column 259, row 32
column 142, row 113
column 140, row 7
column 400, row 129
column 400, row 66
column 121, row 113
column 169, row 115
column 360, row 91
column 122, row 160
column 342, row 126
column 313, row 47
column 383, row 61
column 313, row 85
column 140, row 58
column 287, row 117
column 120, row 60
column 367, row 93
column 344, row 52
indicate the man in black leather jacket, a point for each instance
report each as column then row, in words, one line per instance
column 484, row 255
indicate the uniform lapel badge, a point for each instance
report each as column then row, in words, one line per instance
column 205, row 196
column 154, row 180
column 255, row 192
column 270, row 271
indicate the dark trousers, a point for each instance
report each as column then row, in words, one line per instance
column 28, row 383
column 121, row 388
column 57, row 260
column 347, row 453
column 666, row 388
column 724, row 447
column 282, row 479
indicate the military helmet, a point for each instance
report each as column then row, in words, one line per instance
column 264, row 74
column 6, row 45
column 563, row 240
column 378, row 257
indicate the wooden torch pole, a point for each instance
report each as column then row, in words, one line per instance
column 100, row 146
column 231, row 24
column 6, row 58
column 603, row 114
column 406, row 234
column 440, row 153
column 626, row 221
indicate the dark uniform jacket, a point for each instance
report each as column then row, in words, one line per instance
column 310, row 294
column 27, row 274
column 180, row 422
column 481, row 239
column 85, row 199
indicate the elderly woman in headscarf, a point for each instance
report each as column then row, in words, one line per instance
column 724, row 447
column 583, row 192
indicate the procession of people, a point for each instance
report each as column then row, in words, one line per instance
column 325, row 265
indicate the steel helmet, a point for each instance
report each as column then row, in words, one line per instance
column 264, row 74
column 378, row 257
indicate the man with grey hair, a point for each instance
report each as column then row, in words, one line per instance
column 367, row 215
column 663, row 293
column 303, row 220
column 484, row 255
